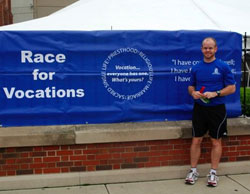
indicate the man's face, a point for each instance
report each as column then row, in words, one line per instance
column 209, row 49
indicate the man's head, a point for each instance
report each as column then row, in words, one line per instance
column 209, row 48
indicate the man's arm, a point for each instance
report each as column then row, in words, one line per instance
column 230, row 89
column 193, row 93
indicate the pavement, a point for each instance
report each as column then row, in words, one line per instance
column 228, row 184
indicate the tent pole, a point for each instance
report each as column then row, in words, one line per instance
column 244, row 76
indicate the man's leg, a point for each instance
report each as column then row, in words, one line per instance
column 215, row 160
column 195, row 151
column 216, row 153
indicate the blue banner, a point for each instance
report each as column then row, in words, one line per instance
column 77, row 77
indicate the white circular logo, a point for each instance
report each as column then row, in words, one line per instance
column 127, row 73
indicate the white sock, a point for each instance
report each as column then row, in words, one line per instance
column 213, row 171
column 194, row 169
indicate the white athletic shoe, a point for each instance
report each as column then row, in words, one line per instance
column 212, row 180
column 191, row 177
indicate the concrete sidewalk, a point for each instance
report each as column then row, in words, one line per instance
column 230, row 184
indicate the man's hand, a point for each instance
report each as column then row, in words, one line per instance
column 210, row 94
column 197, row 95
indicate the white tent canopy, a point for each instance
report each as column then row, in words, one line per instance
column 88, row 15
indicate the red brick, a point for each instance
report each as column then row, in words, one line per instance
column 232, row 138
column 78, row 163
column 3, row 173
column 178, row 152
column 10, row 167
column 79, row 169
column 24, row 166
column 148, row 154
column 128, row 150
column 232, row 148
column 24, row 149
column 141, row 149
column 129, row 155
column 91, row 146
column 243, row 153
column 38, row 154
column 91, row 157
column 64, row 152
column 232, row 143
column 63, row 164
column 103, row 157
column 243, row 148
column 24, row 160
column 38, row 149
column 224, row 159
column 51, row 170
column 38, row 165
column 116, row 155
column 51, row 165
column 140, row 165
column 38, row 171
column 10, row 150
column 115, row 161
column 81, row 157
column 232, row 159
column 63, row 170
column 124, row 166
column 243, row 143
column 128, row 160
column 51, row 153
column 77, row 152
column 117, row 150
column 11, row 173
column 103, row 162
column 64, row 147
column 243, row 158
column 64, row 158
column 89, row 163
column 78, row 147
column 104, row 145
column 24, row 155
column 10, row 161
column 47, row 148
column 37, row 160
column 90, row 151
column 145, row 159
column 51, row 159
column 91, row 168
column 247, row 137
column 22, row 172
column 152, row 164
column 10, row 155
column 104, row 167
column 116, row 166
column 160, row 142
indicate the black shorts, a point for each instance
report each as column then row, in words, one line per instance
column 209, row 118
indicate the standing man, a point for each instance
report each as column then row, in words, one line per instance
column 211, row 81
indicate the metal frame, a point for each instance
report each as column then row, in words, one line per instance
column 246, row 69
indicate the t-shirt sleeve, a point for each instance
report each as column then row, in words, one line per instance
column 192, row 77
column 228, row 76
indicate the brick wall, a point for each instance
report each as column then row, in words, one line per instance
column 111, row 156
column 5, row 12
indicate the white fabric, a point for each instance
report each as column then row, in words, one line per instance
column 88, row 15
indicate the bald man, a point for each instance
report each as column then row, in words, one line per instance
column 211, row 81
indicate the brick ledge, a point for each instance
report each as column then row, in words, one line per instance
column 104, row 133
column 115, row 176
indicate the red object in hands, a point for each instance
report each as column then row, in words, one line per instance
column 202, row 89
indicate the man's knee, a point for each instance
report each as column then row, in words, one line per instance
column 196, row 141
column 216, row 142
